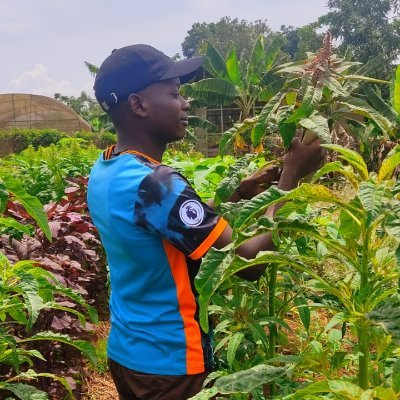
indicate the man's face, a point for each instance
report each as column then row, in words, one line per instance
column 167, row 111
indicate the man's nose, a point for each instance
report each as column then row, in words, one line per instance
column 185, row 104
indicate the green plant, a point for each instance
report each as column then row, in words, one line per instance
column 319, row 98
column 238, row 80
column 44, row 171
column 16, row 140
column 106, row 139
column 362, row 236
column 26, row 291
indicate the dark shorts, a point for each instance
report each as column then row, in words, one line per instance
column 133, row 385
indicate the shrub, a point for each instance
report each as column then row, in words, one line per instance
column 16, row 140
column 106, row 139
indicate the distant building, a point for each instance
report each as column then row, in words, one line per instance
column 30, row 111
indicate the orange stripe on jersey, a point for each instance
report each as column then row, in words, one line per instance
column 107, row 152
column 140, row 154
column 210, row 240
column 187, row 309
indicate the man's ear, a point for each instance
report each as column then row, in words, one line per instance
column 137, row 104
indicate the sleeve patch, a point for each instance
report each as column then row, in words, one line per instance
column 191, row 213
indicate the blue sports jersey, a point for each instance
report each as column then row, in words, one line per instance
column 155, row 229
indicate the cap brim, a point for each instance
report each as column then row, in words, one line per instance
column 183, row 69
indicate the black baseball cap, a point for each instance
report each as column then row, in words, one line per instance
column 132, row 68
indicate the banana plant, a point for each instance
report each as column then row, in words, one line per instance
column 238, row 80
column 362, row 238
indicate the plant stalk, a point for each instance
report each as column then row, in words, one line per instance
column 362, row 329
column 363, row 360
column 273, row 332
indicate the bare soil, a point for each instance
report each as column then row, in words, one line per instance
column 98, row 385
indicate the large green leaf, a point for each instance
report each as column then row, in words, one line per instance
column 379, row 103
column 214, row 62
column 349, row 229
column 31, row 204
column 352, row 157
column 258, row 204
column 268, row 112
column 379, row 393
column 396, row 91
column 12, row 223
column 233, row 345
column 233, row 177
column 307, row 229
column 31, row 374
column 211, row 91
column 205, row 394
column 232, row 66
column 313, row 193
column 82, row 345
column 388, row 166
column 209, row 278
column 272, row 51
column 311, row 99
column 198, row 122
column 304, row 311
column 318, row 125
column 336, row 166
column 247, row 380
column 237, row 129
column 361, row 107
column 388, row 315
column 370, row 66
column 392, row 224
column 335, row 87
column 346, row 389
column 396, row 377
column 24, row 391
column 29, row 289
column 257, row 59
column 361, row 78
column 372, row 198
column 3, row 197
column 287, row 132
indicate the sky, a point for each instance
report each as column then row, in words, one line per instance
column 44, row 43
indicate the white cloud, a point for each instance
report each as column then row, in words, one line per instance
column 13, row 28
column 38, row 81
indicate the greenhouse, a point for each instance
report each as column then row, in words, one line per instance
column 29, row 111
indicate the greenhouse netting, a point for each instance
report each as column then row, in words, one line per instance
column 24, row 111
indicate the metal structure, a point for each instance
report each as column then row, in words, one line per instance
column 30, row 111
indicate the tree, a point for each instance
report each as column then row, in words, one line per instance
column 301, row 40
column 83, row 105
column 366, row 28
column 222, row 33
column 88, row 108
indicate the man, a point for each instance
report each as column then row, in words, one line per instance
column 155, row 229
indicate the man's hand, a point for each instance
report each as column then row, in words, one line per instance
column 259, row 181
column 299, row 161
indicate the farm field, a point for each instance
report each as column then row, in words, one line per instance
column 322, row 322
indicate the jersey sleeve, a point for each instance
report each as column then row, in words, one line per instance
column 168, row 206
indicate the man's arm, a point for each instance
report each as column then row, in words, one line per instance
column 298, row 162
